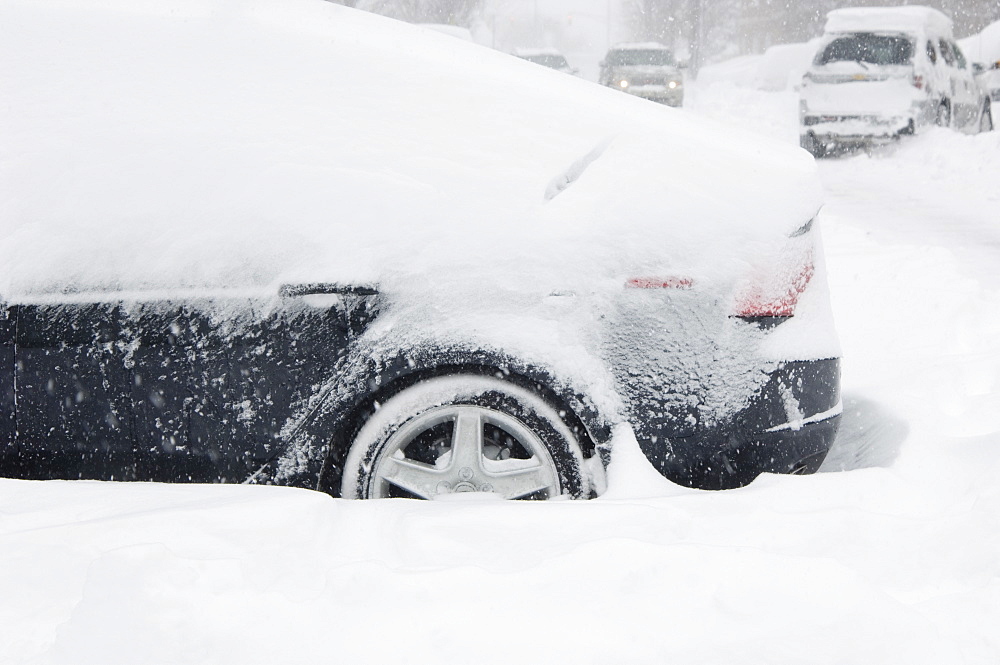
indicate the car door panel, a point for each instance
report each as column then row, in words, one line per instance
column 72, row 406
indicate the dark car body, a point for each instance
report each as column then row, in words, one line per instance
column 219, row 389
column 161, row 391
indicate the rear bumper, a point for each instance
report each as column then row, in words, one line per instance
column 857, row 129
column 787, row 427
column 865, row 128
column 656, row 93
column 660, row 94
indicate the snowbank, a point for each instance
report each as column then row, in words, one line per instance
column 779, row 68
column 451, row 30
column 783, row 66
column 983, row 47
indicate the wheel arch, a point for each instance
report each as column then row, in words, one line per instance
column 947, row 118
column 318, row 442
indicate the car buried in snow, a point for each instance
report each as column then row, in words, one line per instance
column 246, row 243
column 988, row 77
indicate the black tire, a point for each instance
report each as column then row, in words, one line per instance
column 943, row 117
column 814, row 146
column 986, row 119
column 515, row 444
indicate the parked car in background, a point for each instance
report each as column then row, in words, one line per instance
column 988, row 78
column 456, row 31
column 646, row 70
column 983, row 49
column 286, row 254
column 547, row 57
column 881, row 73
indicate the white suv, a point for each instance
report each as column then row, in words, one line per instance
column 883, row 72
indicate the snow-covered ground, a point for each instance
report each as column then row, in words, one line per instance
column 890, row 556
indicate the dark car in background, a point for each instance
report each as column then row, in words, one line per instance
column 646, row 70
column 413, row 276
column 547, row 57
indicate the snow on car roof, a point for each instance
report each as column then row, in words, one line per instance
column 226, row 143
column 907, row 19
column 639, row 46
column 450, row 30
column 528, row 52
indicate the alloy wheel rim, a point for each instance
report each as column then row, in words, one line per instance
column 464, row 448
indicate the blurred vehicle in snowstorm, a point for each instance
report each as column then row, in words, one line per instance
column 988, row 78
column 455, row 31
column 646, row 70
column 983, row 49
column 881, row 73
column 547, row 57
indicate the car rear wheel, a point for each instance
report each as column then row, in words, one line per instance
column 814, row 146
column 465, row 433
column 943, row 118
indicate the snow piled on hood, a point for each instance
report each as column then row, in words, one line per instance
column 252, row 143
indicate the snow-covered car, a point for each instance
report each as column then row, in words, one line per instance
column 881, row 73
column 455, row 31
column 246, row 242
column 988, row 78
column 547, row 57
column 983, row 49
column 646, row 70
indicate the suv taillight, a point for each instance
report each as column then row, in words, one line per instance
column 918, row 81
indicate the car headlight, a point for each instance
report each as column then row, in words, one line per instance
column 673, row 84
column 623, row 84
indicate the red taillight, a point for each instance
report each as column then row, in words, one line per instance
column 771, row 285
column 777, row 293
column 659, row 283
column 918, row 81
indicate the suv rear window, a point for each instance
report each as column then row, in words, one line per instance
column 867, row 47
column 631, row 57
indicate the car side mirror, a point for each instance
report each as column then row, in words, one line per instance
column 682, row 64
column 978, row 68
